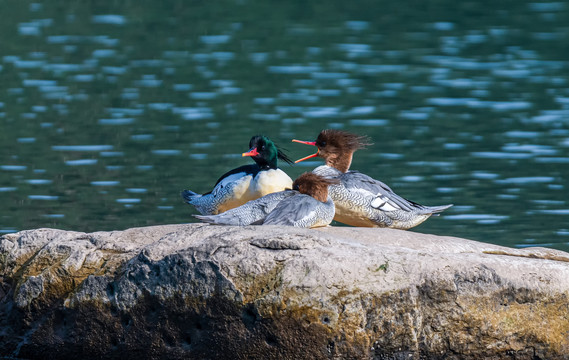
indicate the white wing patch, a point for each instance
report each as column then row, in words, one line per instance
column 220, row 187
column 382, row 203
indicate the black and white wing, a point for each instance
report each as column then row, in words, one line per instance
column 382, row 197
column 251, row 169
column 224, row 190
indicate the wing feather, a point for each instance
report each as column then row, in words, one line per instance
column 384, row 198
column 251, row 169
column 293, row 210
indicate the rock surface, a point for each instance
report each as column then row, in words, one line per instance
column 198, row 291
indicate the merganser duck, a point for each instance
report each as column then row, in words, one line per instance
column 359, row 199
column 245, row 183
column 307, row 205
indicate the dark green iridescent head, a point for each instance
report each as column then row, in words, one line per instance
column 265, row 153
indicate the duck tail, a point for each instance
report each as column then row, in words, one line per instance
column 436, row 210
column 206, row 219
column 189, row 196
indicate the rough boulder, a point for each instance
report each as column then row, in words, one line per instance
column 198, row 291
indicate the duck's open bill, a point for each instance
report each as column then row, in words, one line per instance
column 313, row 143
column 252, row 152
column 307, row 157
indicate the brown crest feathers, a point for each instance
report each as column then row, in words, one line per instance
column 314, row 185
column 342, row 139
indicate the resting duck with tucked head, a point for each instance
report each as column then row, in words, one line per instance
column 307, row 205
column 359, row 199
column 245, row 183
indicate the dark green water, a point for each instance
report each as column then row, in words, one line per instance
column 109, row 109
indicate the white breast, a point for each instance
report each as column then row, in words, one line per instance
column 270, row 181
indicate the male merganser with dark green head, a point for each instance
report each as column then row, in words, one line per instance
column 307, row 205
column 359, row 199
column 245, row 183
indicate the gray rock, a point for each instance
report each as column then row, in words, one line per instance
column 199, row 291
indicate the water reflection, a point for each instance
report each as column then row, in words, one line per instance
column 108, row 113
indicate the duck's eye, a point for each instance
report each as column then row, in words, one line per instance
column 263, row 148
column 295, row 187
column 323, row 143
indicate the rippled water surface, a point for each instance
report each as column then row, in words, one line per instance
column 108, row 111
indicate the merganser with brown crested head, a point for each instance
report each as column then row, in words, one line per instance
column 307, row 205
column 245, row 183
column 359, row 199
